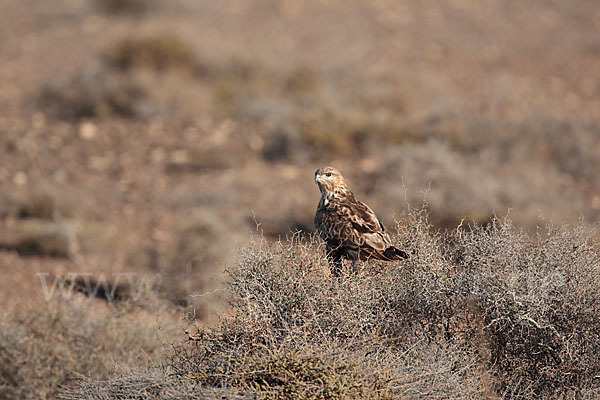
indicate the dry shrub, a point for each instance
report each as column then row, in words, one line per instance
column 125, row 82
column 236, row 85
column 296, row 373
column 301, row 80
column 540, row 297
column 146, row 384
column 40, row 205
column 486, row 312
column 158, row 51
column 192, row 261
column 42, row 238
column 331, row 134
column 128, row 7
column 42, row 349
column 296, row 332
column 199, row 239
column 477, row 313
column 95, row 92
column 573, row 147
column 287, row 287
column 53, row 240
column 352, row 132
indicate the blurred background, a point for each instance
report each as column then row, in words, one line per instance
column 156, row 137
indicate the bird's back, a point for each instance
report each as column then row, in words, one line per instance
column 349, row 222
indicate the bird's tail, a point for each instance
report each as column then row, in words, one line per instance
column 394, row 254
column 389, row 254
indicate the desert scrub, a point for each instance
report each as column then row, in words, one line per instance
column 40, row 205
column 143, row 384
column 45, row 348
column 158, row 51
column 486, row 310
column 478, row 312
column 540, row 297
column 333, row 134
column 295, row 332
column 125, row 7
column 95, row 92
column 300, row 373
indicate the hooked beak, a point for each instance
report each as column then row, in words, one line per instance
column 317, row 179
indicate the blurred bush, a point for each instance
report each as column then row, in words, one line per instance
column 95, row 92
column 481, row 312
column 42, row 349
column 158, row 51
column 127, row 7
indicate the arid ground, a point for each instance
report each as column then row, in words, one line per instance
column 147, row 143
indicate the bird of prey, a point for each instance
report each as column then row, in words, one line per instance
column 349, row 227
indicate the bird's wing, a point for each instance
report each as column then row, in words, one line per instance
column 353, row 224
column 365, row 219
column 368, row 225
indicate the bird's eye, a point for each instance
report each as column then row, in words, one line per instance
column 328, row 174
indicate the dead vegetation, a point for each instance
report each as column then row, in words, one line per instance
column 40, row 205
column 147, row 384
column 43, row 349
column 125, row 7
column 94, row 93
column 482, row 312
column 539, row 297
column 159, row 52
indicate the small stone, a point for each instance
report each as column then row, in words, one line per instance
column 87, row 130
column 20, row 178
column 178, row 157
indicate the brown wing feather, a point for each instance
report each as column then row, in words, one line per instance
column 375, row 235
column 352, row 224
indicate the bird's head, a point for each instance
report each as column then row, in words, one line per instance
column 328, row 179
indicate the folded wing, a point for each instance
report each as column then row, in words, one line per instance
column 353, row 225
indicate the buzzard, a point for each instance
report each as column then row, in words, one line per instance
column 349, row 227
